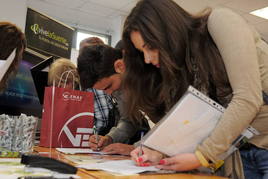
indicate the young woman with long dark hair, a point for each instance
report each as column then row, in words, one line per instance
column 167, row 49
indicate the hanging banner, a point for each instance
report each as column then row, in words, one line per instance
column 48, row 35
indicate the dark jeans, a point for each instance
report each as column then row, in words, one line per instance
column 255, row 162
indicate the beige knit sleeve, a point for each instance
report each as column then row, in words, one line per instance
column 235, row 42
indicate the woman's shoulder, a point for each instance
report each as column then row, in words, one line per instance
column 222, row 13
column 224, row 21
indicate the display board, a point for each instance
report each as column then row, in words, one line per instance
column 48, row 35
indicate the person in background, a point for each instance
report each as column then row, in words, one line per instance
column 167, row 49
column 105, row 68
column 103, row 104
column 89, row 41
column 63, row 73
column 11, row 38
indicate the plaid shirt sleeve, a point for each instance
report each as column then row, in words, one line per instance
column 102, row 106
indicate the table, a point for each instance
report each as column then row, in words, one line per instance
column 85, row 174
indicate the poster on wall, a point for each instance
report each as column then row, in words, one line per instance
column 47, row 35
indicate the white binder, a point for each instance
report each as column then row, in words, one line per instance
column 6, row 64
column 187, row 124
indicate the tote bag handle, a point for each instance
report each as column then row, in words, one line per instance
column 65, row 81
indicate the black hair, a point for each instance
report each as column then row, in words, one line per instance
column 96, row 62
column 119, row 45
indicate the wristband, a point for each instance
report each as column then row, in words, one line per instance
column 201, row 159
column 204, row 162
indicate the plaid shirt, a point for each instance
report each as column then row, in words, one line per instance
column 102, row 105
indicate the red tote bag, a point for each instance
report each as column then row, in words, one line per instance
column 67, row 119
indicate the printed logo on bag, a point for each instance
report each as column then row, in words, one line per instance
column 79, row 137
column 68, row 96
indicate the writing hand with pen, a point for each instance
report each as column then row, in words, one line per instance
column 179, row 162
column 104, row 143
column 97, row 142
column 144, row 156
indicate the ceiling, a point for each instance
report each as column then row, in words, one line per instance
column 96, row 15
column 99, row 15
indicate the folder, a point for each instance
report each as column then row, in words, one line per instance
column 40, row 75
column 186, row 125
column 7, row 64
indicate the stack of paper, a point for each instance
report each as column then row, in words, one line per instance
column 124, row 167
column 78, row 151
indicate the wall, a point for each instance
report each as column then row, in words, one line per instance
column 14, row 11
column 117, row 29
column 74, row 55
column 114, row 28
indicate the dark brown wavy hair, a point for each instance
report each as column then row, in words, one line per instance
column 95, row 63
column 11, row 37
column 184, row 45
column 90, row 41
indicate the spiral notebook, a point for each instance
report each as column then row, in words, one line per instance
column 186, row 125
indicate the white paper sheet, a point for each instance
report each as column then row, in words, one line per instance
column 78, row 151
column 124, row 167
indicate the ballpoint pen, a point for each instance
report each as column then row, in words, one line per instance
column 142, row 133
column 97, row 136
column 141, row 145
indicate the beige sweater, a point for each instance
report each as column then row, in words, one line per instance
column 245, row 57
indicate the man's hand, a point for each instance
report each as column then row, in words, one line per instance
column 102, row 142
column 118, row 148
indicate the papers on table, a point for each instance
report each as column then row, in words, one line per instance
column 9, row 161
column 124, row 167
column 11, row 168
column 78, row 151
column 84, row 159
